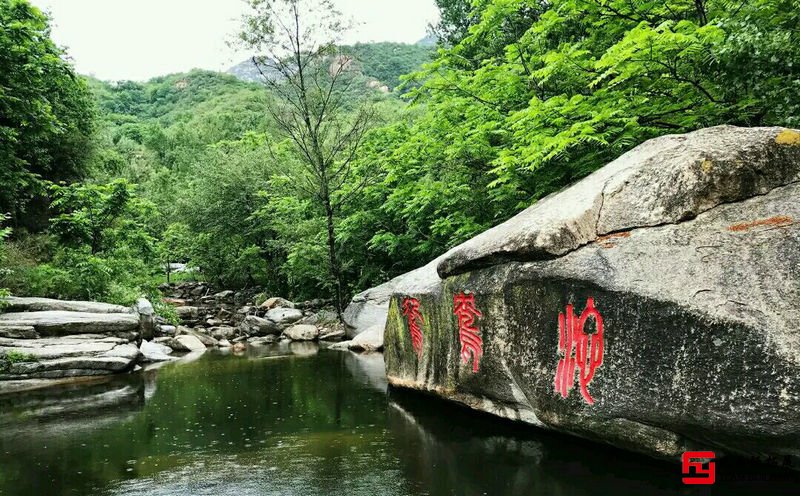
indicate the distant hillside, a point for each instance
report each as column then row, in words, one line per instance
column 385, row 61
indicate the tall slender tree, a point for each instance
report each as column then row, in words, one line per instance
column 312, row 87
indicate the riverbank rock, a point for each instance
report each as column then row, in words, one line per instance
column 302, row 332
column 284, row 316
column 185, row 342
column 257, row 326
column 45, row 340
column 276, row 302
column 155, row 352
column 652, row 306
column 369, row 308
column 60, row 322
column 369, row 340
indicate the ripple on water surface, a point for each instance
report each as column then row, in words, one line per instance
column 301, row 421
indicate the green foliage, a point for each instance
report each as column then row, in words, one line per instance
column 46, row 111
column 9, row 358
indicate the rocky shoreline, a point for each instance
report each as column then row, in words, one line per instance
column 45, row 342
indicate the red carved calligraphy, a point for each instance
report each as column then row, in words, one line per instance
column 581, row 350
column 414, row 318
column 468, row 332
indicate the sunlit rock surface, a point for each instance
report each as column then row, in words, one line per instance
column 652, row 306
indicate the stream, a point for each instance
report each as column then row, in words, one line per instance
column 298, row 420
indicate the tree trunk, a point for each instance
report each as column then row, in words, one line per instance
column 334, row 260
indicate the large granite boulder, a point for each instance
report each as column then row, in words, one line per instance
column 29, row 304
column 652, row 306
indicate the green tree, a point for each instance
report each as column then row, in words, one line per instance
column 310, row 82
column 46, row 112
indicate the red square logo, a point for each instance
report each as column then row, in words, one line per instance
column 694, row 466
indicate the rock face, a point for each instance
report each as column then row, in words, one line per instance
column 52, row 339
column 302, row 332
column 369, row 340
column 59, row 322
column 652, row 306
column 369, row 308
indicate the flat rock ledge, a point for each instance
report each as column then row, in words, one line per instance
column 43, row 339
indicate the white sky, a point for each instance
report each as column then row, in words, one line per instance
column 140, row 39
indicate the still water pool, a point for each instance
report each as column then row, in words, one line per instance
column 302, row 421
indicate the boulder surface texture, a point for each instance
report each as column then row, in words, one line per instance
column 52, row 339
column 654, row 305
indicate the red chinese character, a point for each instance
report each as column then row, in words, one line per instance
column 709, row 474
column 414, row 318
column 468, row 333
column 581, row 350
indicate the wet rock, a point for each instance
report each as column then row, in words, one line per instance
column 302, row 332
column 186, row 342
column 224, row 343
column 262, row 341
column 341, row 345
column 155, row 352
column 58, row 322
column 256, row 326
column 67, row 356
column 369, row 340
column 331, row 334
column 668, row 281
column 284, row 316
column 199, row 334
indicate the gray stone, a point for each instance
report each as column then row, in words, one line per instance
column 284, row 316
column 331, row 334
column 146, row 318
column 664, row 180
column 58, row 322
column 262, row 341
column 197, row 333
column 68, row 356
column 224, row 343
column 223, row 332
column 18, row 332
column 256, row 326
column 155, row 352
column 699, row 311
column 369, row 308
column 302, row 332
column 276, row 302
column 187, row 313
column 186, row 342
column 17, row 304
column 167, row 329
column 369, row 340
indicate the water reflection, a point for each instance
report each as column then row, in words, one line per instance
column 287, row 419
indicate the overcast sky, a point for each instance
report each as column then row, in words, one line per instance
column 139, row 39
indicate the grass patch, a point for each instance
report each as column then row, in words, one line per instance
column 9, row 358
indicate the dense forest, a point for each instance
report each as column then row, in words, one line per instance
column 104, row 183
